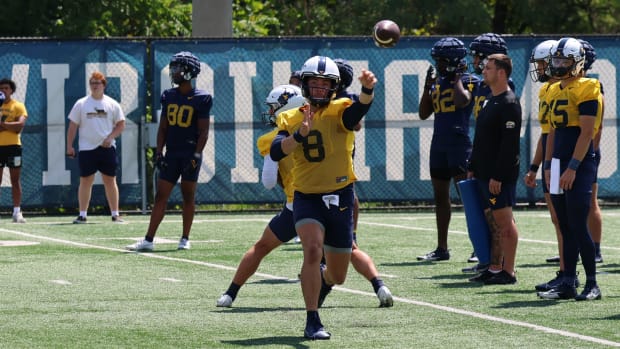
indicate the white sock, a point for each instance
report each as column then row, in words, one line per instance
column 16, row 210
column 83, row 214
column 115, row 213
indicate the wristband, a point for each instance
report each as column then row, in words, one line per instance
column 573, row 164
column 298, row 137
column 534, row 168
column 547, row 165
column 367, row 90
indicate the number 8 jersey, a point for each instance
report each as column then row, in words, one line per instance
column 323, row 162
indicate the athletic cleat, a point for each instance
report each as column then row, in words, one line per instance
column 79, row 220
column 438, row 255
column 316, row 332
column 325, row 288
column 478, row 268
column 501, row 278
column 589, row 293
column 184, row 244
column 481, row 277
column 18, row 218
column 141, row 245
column 598, row 258
column 117, row 220
column 554, row 259
column 385, row 297
column 562, row 291
column 555, row 282
column 297, row 240
column 225, row 301
column 473, row 258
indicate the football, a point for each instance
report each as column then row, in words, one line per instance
column 386, row 33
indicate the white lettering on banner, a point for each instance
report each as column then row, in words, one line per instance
column 362, row 172
column 55, row 76
column 281, row 73
column 203, row 81
column 244, row 170
column 396, row 119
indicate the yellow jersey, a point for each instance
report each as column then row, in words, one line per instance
column 11, row 111
column 564, row 102
column 543, row 108
column 323, row 162
column 285, row 165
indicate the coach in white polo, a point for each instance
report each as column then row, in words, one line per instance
column 99, row 119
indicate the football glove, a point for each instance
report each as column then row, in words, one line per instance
column 160, row 162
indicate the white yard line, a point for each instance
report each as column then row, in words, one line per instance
column 343, row 289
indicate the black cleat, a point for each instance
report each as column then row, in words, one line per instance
column 562, row 291
column 501, row 278
column 473, row 258
column 589, row 293
column 438, row 255
column 316, row 334
column 482, row 277
column 554, row 259
column 478, row 268
column 598, row 258
column 555, row 282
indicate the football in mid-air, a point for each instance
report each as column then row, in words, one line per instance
column 386, row 33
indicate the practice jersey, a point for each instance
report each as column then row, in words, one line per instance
column 450, row 120
column 543, row 108
column 96, row 119
column 285, row 165
column 323, row 162
column 481, row 92
column 11, row 111
column 581, row 96
column 183, row 112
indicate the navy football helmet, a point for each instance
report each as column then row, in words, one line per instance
column 567, row 58
column 346, row 74
column 320, row 67
column 280, row 99
column 449, row 55
column 485, row 45
column 184, row 66
column 590, row 54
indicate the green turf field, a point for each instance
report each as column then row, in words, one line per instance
column 76, row 287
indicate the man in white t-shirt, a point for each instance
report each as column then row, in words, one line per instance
column 99, row 119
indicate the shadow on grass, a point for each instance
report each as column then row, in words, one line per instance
column 284, row 342
column 538, row 265
column 275, row 281
column 535, row 303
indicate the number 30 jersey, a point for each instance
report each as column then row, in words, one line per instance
column 323, row 162
column 182, row 113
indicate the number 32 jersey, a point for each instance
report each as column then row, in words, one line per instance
column 182, row 113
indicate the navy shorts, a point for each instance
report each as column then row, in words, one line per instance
column 178, row 164
column 99, row 159
column 11, row 156
column 283, row 226
column 336, row 220
column 449, row 162
column 505, row 198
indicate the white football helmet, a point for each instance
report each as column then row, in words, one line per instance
column 541, row 54
column 567, row 58
column 280, row 99
column 319, row 67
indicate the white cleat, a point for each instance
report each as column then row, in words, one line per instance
column 385, row 297
column 18, row 218
column 184, row 244
column 140, row 246
column 225, row 301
